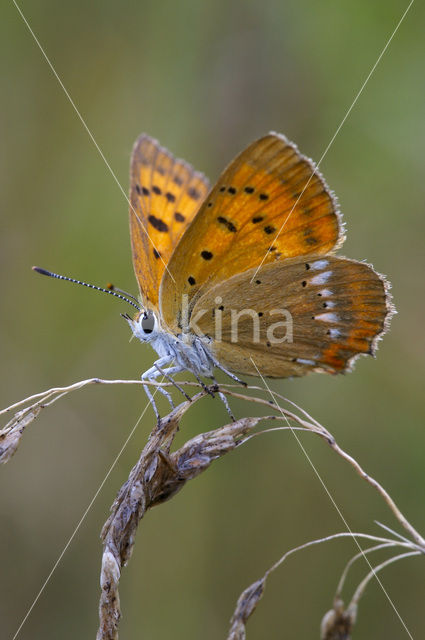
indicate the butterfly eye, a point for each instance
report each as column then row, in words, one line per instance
column 148, row 322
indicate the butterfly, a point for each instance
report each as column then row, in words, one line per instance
column 243, row 276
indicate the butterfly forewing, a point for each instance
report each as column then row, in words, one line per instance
column 296, row 316
column 269, row 205
column 165, row 195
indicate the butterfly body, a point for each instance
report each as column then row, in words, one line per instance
column 243, row 277
column 187, row 352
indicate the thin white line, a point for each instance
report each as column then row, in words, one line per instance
column 332, row 500
column 88, row 131
column 336, row 133
column 82, row 519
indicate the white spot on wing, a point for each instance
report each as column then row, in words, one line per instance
column 319, row 264
column 334, row 333
column 305, row 361
column 321, row 278
column 326, row 292
column 327, row 317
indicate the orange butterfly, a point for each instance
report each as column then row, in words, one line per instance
column 242, row 277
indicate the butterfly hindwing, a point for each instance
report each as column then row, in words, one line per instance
column 269, row 205
column 165, row 195
column 316, row 314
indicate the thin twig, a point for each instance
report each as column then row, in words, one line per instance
column 362, row 586
column 250, row 597
column 359, row 556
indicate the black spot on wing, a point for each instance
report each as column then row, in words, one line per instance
column 311, row 240
column 158, row 224
column 193, row 193
column 226, row 223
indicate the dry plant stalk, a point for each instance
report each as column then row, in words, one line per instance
column 159, row 474
column 156, row 477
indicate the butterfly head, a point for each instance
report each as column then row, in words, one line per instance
column 145, row 325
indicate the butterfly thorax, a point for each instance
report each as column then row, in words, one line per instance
column 188, row 352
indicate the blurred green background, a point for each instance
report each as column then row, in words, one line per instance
column 206, row 78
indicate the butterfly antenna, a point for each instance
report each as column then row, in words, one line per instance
column 44, row 272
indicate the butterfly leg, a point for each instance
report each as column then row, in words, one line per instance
column 224, row 400
column 151, row 375
column 167, row 374
column 229, row 373
column 203, row 385
column 152, row 401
